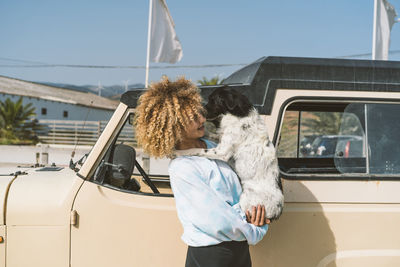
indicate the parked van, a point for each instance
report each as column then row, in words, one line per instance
column 341, row 208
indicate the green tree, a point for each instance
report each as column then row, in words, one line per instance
column 213, row 81
column 17, row 120
column 323, row 122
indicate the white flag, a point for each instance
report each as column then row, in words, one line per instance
column 164, row 43
column 384, row 19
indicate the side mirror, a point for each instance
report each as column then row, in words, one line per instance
column 123, row 162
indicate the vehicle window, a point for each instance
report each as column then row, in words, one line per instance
column 383, row 126
column 339, row 139
column 309, row 134
column 350, row 149
column 124, row 167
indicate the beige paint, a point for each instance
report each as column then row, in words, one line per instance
column 3, row 246
column 308, row 234
column 42, row 198
column 38, row 218
column 342, row 191
column 109, row 132
column 5, row 182
column 39, row 246
column 325, row 235
column 122, row 229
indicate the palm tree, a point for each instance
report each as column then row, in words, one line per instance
column 213, row 81
column 16, row 119
column 323, row 122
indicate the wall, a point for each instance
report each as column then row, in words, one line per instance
column 55, row 109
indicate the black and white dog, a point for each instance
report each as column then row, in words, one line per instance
column 244, row 143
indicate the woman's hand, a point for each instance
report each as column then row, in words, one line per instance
column 257, row 216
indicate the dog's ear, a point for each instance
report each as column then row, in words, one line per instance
column 244, row 105
column 230, row 102
column 238, row 104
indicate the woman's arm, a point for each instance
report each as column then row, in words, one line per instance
column 204, row 209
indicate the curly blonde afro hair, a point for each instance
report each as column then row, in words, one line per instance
column 162, row 114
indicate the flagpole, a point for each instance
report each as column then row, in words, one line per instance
column 148, row 44
column 374, row 30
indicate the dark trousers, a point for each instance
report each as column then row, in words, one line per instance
column 225, row 254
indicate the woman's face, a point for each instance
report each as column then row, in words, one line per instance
column 195, row 129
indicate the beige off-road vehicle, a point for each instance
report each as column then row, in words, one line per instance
column 336, row 127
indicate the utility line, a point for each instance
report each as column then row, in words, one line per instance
column 116, row 67
column 368, row 54
column 20, row 60
column 36, row 64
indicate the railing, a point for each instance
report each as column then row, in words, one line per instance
column 77, row 132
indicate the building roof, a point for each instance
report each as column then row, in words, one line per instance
column 30, row 89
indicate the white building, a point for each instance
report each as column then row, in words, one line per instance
column 53, row 103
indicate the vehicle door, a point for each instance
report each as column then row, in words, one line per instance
column 118, row 224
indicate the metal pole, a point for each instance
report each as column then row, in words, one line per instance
column 374, row 29
column 148, row 44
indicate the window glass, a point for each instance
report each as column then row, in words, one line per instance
column 288, row 139
column 383, row 127
column 124, row 167
column 317, row 132
column 350, row 154
column 340, row 138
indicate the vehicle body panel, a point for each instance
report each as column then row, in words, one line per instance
column 38, row 218
column 314, row 234
column 5, row 182
column 148, row 233
column 42, row 198
column 3, row 246
column 34, row 245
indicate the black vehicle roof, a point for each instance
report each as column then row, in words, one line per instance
column 260, row 79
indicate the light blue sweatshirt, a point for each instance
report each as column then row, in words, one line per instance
column 207, row 196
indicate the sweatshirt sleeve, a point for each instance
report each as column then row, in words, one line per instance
column 199, row 206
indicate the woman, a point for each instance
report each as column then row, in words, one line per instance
column 170, row 117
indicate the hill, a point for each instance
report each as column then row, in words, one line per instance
column 107, row 91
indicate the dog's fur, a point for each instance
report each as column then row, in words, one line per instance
column 244, row 143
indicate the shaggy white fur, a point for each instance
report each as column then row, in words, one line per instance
column 244, row 143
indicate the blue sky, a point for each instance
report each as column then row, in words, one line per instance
column 98, row 32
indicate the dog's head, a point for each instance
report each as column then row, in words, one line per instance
column 225, row 100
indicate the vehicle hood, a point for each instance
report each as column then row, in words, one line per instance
column 7, row 176
column 38, row 196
